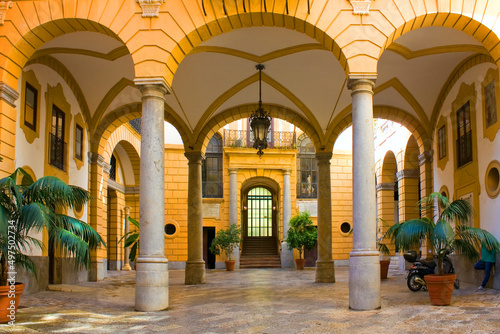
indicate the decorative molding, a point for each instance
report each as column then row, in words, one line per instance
column 116, row 186
column 4, row 5
column 385, row 186
column 97, row 159
column 150, row 8
column 132, row 190
column 361, row 7
column 8, row 94
column 426, row 157
column 408, row 174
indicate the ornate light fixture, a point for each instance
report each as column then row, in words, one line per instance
column 260, row 120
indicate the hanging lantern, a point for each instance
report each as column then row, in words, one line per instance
column 260, row 120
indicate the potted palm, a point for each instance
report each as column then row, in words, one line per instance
column 26, row 208
column 225, row 241
column 132, row 240
column 385, row 259
column 448, row 233
column 301, row 235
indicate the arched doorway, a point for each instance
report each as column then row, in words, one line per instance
column 260, row 222
column 259, row 228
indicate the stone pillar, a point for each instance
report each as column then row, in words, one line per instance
column 99, row 174
column 126, row 264
column 8, row 116
column 151, row 288
column 364, row 261
column 426, row 188
column 286, row 254
column 325, row 270
column 195, row 265
column 233, row 209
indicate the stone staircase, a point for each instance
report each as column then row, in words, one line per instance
column 259, row 253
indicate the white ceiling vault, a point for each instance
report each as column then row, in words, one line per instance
column 299, row 73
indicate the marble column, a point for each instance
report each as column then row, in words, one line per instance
column 126, row 264
column 151, row 288
column 195, row 265
column 364, row 260
column 286, row 254
column 233, row 210
column 325, row 270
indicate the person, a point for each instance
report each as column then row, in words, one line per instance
column 486, row 263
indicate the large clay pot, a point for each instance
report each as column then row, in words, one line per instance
column 384, row 268
column 9, row 300
column 300, row 263
column 230, row 265
column 440, row 288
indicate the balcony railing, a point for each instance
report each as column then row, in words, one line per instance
column 57, row 151
column 241, row 138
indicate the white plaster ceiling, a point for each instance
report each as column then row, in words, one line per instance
column 313, row 76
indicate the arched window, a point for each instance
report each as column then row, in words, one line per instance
column 112, row 168
column 307, row 169
column 211, row 169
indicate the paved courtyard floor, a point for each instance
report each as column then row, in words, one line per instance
column 253, row 301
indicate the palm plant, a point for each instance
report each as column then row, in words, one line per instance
column 132, row 239
column 447, row 234
column 27, row 207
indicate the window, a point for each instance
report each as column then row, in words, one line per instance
column 79, row 142
column 112, row 168
column 442, row 142
column 30, row 107
column 57, row 144
column 490, row 104
column 211, row 169
column 307, row 170
column 464, row 134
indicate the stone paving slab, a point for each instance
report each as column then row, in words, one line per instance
column 254, row 301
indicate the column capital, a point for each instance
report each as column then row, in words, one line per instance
column 153, row 87
column 408, row 174
column 97, row 159
column 361, row 82
column 287, row 171
column 426, row 157
column 385, row 186
column 8, row 94
column 194, row 156
column 324, row 157
column 126, row 210
column 232, row 170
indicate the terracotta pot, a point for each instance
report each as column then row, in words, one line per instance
column 384, row 268
column 230, row 265
column 440, row 288
column 9, row 300
column 300, row 263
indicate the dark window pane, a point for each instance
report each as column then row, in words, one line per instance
column 30, row 107
column 79, row 142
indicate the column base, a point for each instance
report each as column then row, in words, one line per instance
column 98, row 270
column 286, row 256
column 364, row 280
column 126, row 267
column 195, row 272
column 151, row 284
column 325, row 271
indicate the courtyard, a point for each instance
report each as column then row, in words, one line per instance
column 253, row 301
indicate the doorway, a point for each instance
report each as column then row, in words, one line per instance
column 208, row 257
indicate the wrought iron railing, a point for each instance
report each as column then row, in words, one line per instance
column 241, row 138
column 464, row 149
column 57, row 151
